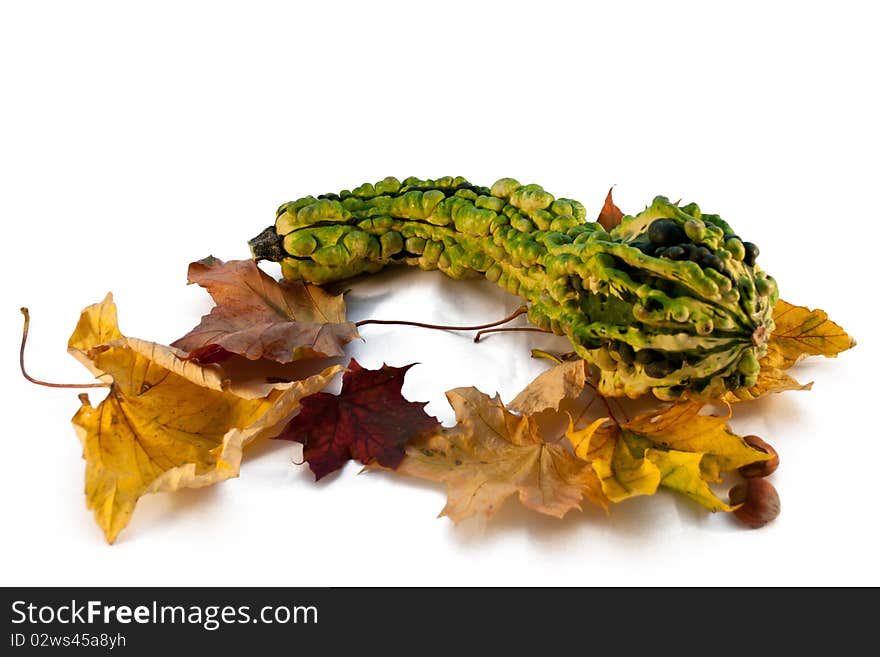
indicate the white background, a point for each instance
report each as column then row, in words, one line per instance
column 138, row 137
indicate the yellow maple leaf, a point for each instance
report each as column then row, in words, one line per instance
column 563, row 381
column 623, row 474
column 492, row 454
column 166, row 423
column 682, row 472
column 676, row 448
column 681, row 427
column 801, row 332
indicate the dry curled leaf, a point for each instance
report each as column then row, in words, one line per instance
column 801, row 332
column 166, row 423
column 676, row 447
column 492, row 454
column 258, row 317
column 563, row 381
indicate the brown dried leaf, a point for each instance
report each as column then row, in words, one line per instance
column 550, row 388
column 492, row 454
column 258, row 317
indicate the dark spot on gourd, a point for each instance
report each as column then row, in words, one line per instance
column 659, row 369
column 667, row 286
column 690, row 251
column 644, row 356
column 626, row 352
column 647, row 248
column 699, row 253
column 676, row 252
column 712, row 261
column 665, row 232
column 752, row 253
column 733, row 381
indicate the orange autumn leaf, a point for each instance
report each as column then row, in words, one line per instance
column 610, row 215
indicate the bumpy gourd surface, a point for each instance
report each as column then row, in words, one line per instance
column 668, row 301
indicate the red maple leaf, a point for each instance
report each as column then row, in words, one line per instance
column 369, row 421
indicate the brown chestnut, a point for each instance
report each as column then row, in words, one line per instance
column 760, row 468
column 759, row 499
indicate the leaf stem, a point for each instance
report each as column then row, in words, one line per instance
column 531, row 329
column 584, row 411
column 604, row 402
column 516, row 313
column 621, row 409
column 24, row 336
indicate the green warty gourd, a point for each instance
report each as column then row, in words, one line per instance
column 669, row 301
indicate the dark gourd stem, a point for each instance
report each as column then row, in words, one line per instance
column 524, row 329
column 516, row 313
column 267, row 245
column 24, row 335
